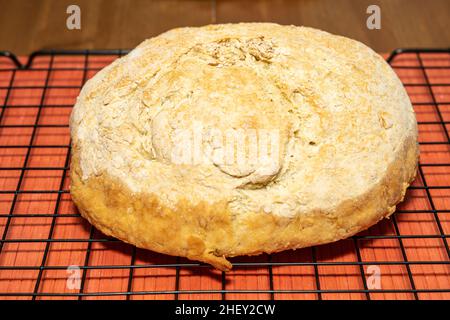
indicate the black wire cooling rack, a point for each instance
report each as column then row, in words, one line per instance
column 411, row 249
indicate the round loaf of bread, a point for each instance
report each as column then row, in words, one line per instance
column 240, row 139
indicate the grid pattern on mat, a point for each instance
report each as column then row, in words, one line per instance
column 42, row 233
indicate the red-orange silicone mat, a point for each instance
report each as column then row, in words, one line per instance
column 405, row 257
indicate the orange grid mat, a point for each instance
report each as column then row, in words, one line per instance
column 42, row 232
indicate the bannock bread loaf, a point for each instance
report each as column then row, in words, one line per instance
column 239, row 139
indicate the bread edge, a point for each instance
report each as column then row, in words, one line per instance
column 210, row 232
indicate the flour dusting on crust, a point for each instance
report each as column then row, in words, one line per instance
column 341, row 112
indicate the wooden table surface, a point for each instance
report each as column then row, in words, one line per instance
column 41, row 24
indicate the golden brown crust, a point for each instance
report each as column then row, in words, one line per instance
column 209, row 233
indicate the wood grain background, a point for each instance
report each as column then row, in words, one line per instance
column 28, row 25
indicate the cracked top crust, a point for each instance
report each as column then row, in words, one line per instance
column 342, row 115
